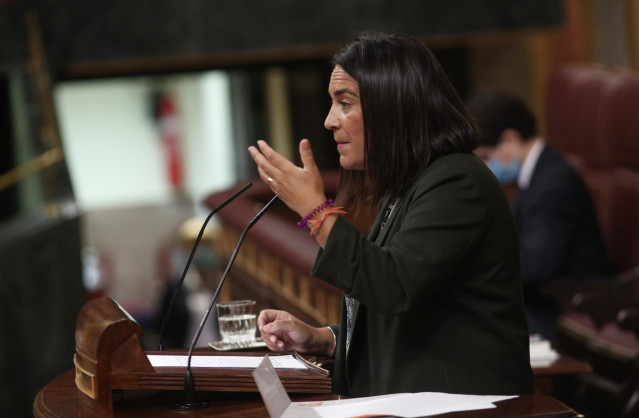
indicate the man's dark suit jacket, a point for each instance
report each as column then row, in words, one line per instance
column 439, row 290
column 558, row 233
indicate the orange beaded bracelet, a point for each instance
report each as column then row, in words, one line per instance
column 316, row 224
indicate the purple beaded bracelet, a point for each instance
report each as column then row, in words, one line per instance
column 304, row 222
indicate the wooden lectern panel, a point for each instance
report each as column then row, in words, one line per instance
column 109, row 356
column 106, row 342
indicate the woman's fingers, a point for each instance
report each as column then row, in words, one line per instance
column 306, row 154
column 274, row 165
column 266, row 170
column 269, row 315
column 275, row 159
column 283, row 331
column 265, row 177
column 300, row 188
column 272, row 339
column 277, row 340
column 263, row 163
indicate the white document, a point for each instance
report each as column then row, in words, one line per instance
column 541, row 353
column 273, row 393
column 223, row 362
column 407, row 405
column 400, row 405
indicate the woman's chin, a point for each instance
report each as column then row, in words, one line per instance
column 348, row 164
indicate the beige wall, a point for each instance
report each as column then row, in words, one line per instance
column 129, row 241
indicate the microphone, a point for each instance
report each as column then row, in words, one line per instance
column 189, row 384
column 169, row 309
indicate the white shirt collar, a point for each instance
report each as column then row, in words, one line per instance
column 528, row 167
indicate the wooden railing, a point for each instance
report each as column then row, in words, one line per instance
column 275, row 261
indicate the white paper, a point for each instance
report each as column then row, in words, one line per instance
column 271, row 389
column 235, row 362
column 307, row 409
column 541, row 353
column 400, row 405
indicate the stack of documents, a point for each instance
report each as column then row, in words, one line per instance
column 229, row 372
column 230, row 362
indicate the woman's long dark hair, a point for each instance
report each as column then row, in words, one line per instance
column 412, row 115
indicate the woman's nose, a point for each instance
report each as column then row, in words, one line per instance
column 331, row 123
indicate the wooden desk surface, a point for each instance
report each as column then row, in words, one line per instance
column 564, row 365
column 59, row 399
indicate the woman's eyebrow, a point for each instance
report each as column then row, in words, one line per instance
column 342, row 92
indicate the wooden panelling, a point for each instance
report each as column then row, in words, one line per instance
column 265, row 277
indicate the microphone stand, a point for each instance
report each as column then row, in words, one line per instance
column 189, row 384
column 188, row 264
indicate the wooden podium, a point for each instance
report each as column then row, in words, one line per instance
column 58, row 400
column 109, row 356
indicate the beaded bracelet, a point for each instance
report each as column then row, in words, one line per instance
column 304, row 222
column 316, row 224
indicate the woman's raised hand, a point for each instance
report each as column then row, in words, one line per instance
column 301, row 188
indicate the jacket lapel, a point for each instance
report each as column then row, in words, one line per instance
column 381, row 235
column 372, row 235
column 377, row 237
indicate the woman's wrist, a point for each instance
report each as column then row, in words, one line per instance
column 326, row 342
column 316, row 217
column 316, row 207
column 331, row 353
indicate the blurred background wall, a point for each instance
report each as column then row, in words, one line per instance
column 117, row 118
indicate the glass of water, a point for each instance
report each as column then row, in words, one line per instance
column 237, row 321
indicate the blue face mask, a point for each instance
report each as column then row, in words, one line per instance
column 505, row 173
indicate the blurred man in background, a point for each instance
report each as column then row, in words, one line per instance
column 558, row 230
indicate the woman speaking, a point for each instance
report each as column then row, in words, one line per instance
column 433, row 296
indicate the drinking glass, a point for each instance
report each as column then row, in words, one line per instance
column 237, row 321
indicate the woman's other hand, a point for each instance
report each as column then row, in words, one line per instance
column 282, row 331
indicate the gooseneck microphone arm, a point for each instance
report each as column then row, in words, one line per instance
column 169, row 309
column 189, row 385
